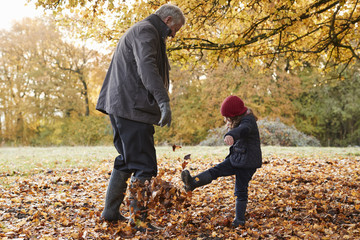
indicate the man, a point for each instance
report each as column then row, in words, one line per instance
column 135, row 96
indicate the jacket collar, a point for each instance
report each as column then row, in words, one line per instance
column 160, row 26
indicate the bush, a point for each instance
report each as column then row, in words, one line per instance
column 273, row 133
column 278, row 134
column 215, row 137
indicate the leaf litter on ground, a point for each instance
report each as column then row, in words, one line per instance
column 290, row 197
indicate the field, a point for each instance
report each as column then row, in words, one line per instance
column 299, row 193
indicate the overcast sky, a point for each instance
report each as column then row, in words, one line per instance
column 15, row 10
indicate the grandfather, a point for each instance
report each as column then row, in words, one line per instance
column 135, row 96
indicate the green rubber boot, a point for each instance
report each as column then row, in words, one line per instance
column 115, row 195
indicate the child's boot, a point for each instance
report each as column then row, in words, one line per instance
column 240, row 209
column 194, row 182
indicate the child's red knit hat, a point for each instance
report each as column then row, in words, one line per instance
column 232, row 106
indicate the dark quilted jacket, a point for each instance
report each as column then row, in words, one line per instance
column 246, row 150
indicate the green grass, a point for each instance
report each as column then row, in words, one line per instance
column 26, row 160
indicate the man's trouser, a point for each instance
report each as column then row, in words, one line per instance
column 134, row 142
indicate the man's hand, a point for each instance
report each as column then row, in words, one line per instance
column 165, row 114
column 229, row 140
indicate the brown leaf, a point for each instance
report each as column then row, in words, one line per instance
column 174, row 147
column 183, row 165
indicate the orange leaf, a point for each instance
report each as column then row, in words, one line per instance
column 184, row 164
column 174, row 147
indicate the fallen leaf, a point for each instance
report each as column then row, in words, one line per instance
column 183, row 165
column 174, row 147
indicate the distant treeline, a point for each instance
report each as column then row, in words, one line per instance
column 49, row 87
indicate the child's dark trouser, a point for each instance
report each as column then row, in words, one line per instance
column 243, row 177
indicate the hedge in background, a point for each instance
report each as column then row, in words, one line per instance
column 273, row 133
column 72, row 131
column 276, row 133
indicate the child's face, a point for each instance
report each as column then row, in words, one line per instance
column 227, row 122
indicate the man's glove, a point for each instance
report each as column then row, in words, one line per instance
column 165, row 114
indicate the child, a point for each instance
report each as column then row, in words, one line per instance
column 243, row 160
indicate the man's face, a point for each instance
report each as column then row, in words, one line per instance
column 174, row 28
column 169, row 21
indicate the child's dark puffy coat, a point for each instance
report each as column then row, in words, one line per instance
column 246, row 151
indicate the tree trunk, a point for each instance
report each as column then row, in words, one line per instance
column 86, row 95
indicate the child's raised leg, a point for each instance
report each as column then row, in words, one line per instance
column 199, row 180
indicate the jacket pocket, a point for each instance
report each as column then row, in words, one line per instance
column 238, row 156
column 145, row 102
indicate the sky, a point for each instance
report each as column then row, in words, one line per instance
column 15, row 10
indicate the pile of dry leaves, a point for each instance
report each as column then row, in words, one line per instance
column 290, row 197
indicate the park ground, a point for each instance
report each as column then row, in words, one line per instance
column 299, row 193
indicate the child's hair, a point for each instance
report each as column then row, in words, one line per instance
column 235, row 121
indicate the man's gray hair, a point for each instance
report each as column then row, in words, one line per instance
column 175, row 12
